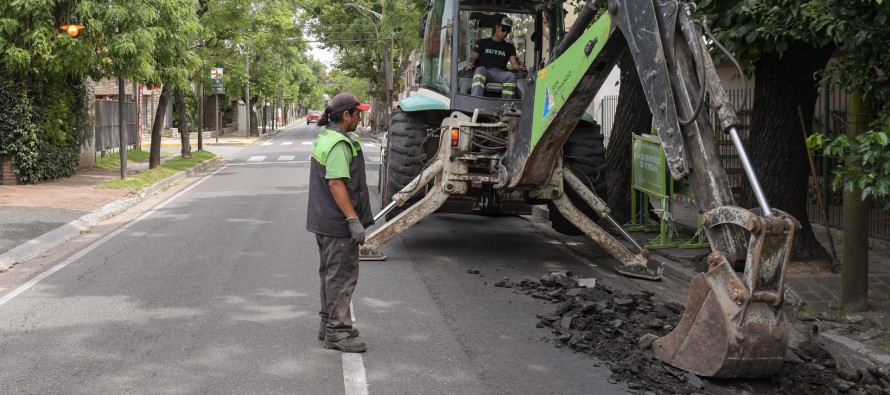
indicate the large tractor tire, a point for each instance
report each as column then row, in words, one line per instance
column 585, row 154
column 407, row 152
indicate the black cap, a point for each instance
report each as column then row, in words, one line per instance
column 347, row 101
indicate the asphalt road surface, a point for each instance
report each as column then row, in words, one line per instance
column 212, row 288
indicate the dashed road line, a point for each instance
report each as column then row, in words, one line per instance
column 355, row 381
column 267, row 143
column 257, row 158
column 286, row 157
column 306, row 143
column 287, row 143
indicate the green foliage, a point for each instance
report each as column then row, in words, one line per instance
column 356, row 37
column 18, row 132
column 870, row 154
column 40, row 128
column 860, row 29
column 749, row 28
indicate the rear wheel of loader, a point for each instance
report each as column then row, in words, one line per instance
column 406, row 155
column 585, row 155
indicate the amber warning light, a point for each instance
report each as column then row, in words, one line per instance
column 455, row 133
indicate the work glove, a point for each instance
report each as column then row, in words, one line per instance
column 356, row 230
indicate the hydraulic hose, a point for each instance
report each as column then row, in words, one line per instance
column 591, row 8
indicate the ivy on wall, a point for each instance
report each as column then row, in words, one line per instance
column 42, row 127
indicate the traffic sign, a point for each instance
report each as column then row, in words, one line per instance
column 216, row 81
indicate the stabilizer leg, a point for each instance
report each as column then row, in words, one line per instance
column 633, row 265
column 412, row 215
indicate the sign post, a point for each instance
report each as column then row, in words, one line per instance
column 218, row 88
column 649, row 177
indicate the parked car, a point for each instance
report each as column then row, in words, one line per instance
column 313, row 116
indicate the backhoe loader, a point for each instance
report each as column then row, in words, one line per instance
column 449, row 150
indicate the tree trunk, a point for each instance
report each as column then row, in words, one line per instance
column 200, row 116
column 632, row 116
column 854, row 272
column 154, row 156
column 185, row 143
column 777, row 152
column 254, row 120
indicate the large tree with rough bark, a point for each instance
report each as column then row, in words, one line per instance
column 775, row 39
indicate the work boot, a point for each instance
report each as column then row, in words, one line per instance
column 347, row 344
column 353, row 332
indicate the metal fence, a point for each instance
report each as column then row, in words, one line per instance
column 107, row 121
column 607, row 109
column 878, row 217
column 829, row 118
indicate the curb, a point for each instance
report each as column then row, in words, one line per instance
column 35, row 247
column 851, row 354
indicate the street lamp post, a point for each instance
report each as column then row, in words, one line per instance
column 247, row 88
column 386, row 59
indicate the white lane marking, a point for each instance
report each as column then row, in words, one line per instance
column 267, row 143
column 286, row 157
column 368, row 144
column 257, row 158
column 355, row 381
column 287, row 143
column 306, row 143
column 24, row 287
column 351, row 312
column 268, row 163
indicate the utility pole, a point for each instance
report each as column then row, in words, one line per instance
column 200, row 115
column 122, row 124
column 247, row 88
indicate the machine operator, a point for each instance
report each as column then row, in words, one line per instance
column 492, row 55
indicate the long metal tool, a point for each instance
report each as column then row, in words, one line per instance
column 749, row 171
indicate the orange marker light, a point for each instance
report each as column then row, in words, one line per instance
column 455, row 133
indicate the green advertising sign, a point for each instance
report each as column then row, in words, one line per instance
column 649, row 167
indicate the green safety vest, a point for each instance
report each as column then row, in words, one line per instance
column 326, row 140
column 323, row 215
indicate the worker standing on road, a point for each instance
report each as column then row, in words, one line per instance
column 339, row 211
column 492, row 55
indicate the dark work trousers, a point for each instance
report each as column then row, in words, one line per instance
column 482, row 76
column 338, row 273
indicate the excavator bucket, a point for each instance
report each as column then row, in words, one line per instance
column 716, row 337
column 734, row 325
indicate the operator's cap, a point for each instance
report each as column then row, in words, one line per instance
column 506, row 22
column 347, row 101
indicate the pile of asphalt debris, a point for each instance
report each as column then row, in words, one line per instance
column 609, row 325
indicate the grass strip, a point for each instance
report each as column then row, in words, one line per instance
column 167, row 169
column 113, row 161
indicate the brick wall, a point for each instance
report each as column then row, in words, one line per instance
column 108, row 86
column 9, row 177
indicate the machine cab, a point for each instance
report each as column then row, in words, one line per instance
column 451, row 28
